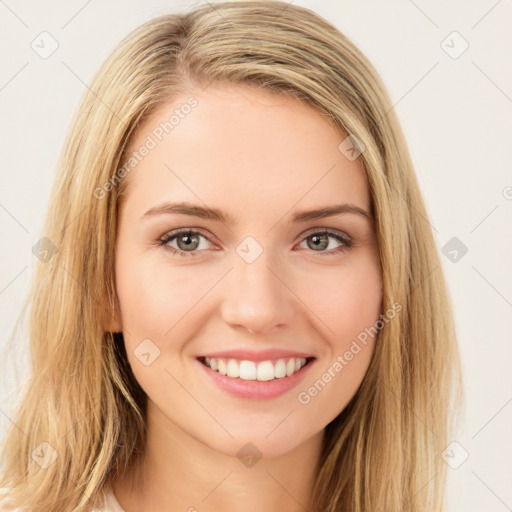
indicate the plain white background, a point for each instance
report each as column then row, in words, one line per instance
column 456, row 115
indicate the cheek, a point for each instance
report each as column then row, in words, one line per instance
column 152, row 299
column 146, row 295
column 347, row 299
column 350, row 306
column 156, row 299
column 139, row 294
column 359, row 303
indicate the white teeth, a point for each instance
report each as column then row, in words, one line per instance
column 222, row 367
column 265, row 371
column 250, row 370
column 280, row 369
column 233, row 370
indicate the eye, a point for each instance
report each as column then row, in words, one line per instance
column 319, row 241
column 188, row 241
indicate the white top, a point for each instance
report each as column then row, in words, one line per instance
column 109, row 503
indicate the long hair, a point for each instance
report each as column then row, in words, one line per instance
column 82, row 416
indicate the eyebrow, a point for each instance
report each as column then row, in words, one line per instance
column 185, row 208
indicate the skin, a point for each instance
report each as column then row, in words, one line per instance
column 260, row 158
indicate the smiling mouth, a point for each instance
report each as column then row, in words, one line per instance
column 256, row 370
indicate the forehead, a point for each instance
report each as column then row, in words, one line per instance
column 242, row 146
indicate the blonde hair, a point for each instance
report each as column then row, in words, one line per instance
column 383, row 451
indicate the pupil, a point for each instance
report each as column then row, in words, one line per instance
column 317, row 240
column 190, row 240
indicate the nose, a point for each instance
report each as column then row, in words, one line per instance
column 257, row 298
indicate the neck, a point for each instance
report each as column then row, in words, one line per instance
column 180, row 473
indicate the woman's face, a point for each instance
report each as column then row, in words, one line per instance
column 251, row 277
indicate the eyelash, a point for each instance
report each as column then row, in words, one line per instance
column 346, row 243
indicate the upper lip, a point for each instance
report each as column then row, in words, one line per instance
column 257, row 355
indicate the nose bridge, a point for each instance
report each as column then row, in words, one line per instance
column 254, row 296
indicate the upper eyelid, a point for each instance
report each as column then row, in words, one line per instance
column 329, row 231
column 175, row 233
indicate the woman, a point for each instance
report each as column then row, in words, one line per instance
column 241, row 307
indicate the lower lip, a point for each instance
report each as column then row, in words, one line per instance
column 256, row 389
